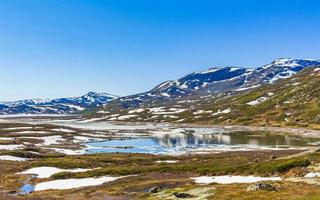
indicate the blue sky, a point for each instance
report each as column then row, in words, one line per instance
column 57, row 48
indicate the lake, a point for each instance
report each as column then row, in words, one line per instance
column 196, row 142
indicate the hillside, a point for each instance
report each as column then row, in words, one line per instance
column 290, row 102
column 213, row 82
column 294, row 101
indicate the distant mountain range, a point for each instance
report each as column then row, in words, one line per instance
column 56, row 106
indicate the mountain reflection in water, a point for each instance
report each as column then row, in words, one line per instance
column 164, row 143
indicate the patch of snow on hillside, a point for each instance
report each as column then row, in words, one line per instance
column 74, row 107
column 73, row 183
column 316, row 69
column 168, row 112
column 31, row 132
column 69, row 151
column 124, row 117
column 17, row 128
column 285, row 75
column 139, row 110
column 209, row 71
column 201, row 112
column 48, row 140
column 167, row 161
column 270, row 94
column 103, row 112
column 63, row 130
column 11, row 147
column 232, row 179
column 225, row 111
column 257, row 101
column 312, row 175
column 233, row 69
column 165, row 94
column 4, row 138
column 247, row 88
column 12, row 158
column 47, row 172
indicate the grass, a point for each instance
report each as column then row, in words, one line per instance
column 129, row 164
column 171, row 176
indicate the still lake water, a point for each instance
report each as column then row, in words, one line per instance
column 189, row 142
column 170, row 139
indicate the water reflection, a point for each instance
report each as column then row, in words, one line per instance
column 164, row 143
column 233, row 138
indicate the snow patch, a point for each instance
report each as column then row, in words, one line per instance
column 139, row 110
column 69, row 151
column 257, row 101
column 11, row 147
column 12, row 158
column 167, row 161
column 73, row 183
column 225, row 111
column 232, row 179
column 63, row 130
column 125, row 117
column 47, row 172
column 312, row 175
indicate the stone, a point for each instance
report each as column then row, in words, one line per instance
column 182, row 195
column 261, row 186
column 272, row 157
column 155, row 189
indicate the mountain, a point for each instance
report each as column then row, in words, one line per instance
column 56, row 106
column 293, row 102
column 91, row 99
column 203, row 87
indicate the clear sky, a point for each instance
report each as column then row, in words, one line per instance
column 59, row 48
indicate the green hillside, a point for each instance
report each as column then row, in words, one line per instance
column 290, row 102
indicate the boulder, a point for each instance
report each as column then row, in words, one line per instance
column 182, row 195
column 261, row 186
column 155, row 189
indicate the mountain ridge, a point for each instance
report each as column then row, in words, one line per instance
column 214, row 82
column 157, row 108
column 66, row 105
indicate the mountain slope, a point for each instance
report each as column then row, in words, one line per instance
column 293, row 102
column 56, row 106
column 199, row 88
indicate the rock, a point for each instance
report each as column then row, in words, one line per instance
column 272, row 157
column 155, row 189
column 183, row 195
column 261, row 186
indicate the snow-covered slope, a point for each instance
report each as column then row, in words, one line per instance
column 280, row 69
column 56, row 106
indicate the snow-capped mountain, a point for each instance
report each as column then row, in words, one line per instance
column 90, row 99
column 210, row 81
column 219, row 80
column 26, row 102
column 56, row 106
column 280, row 69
